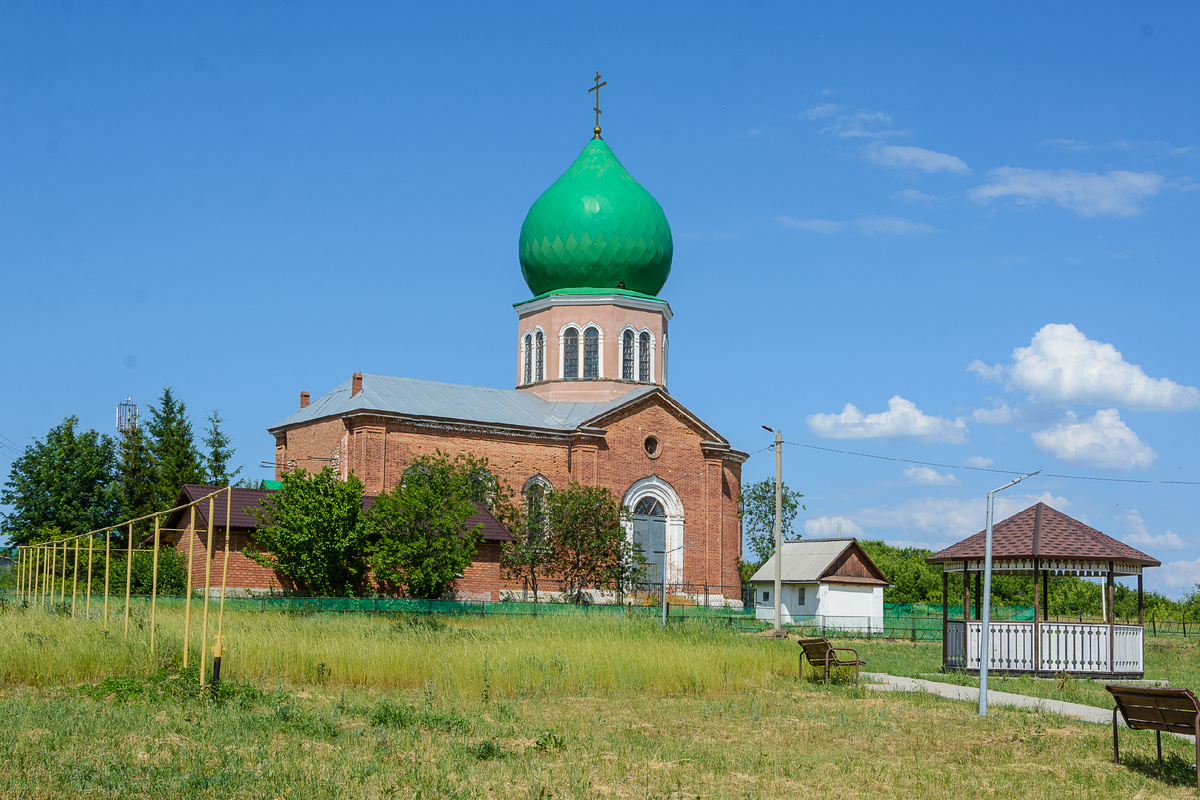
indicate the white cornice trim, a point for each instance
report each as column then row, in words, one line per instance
column 622, row 300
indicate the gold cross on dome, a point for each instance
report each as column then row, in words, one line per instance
column 596, row 108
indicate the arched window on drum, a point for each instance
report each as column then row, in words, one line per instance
column 627, row 356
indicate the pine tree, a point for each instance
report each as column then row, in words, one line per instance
column 220, row 452
column 137, row 476
column 174, row 448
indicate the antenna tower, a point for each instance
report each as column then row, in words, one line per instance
column 127, row 415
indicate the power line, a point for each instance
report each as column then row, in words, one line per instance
column 981, row 469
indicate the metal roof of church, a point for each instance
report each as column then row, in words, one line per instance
column 412, row 397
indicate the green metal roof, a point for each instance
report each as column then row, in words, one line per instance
column 273, row 486
column 596, row 227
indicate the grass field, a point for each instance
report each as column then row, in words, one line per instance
column 374, row 707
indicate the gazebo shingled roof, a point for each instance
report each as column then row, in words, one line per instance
column 1042, row 532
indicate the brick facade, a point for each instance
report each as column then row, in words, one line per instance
column 610, row 452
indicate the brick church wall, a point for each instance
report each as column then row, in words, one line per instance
column 378, row 450
column 480, row 581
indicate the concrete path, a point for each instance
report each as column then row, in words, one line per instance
column 892, row 683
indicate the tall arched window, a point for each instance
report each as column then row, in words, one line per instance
column 540, row 357
column 627, row 356
column 570, row 353
column 591, row 353
column 528, row 358
column 644, row 357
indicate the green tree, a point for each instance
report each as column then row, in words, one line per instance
column 757, row 510
column 312, row 533
column 587, row 540
column 174, row 448
column 421, row 539
column 220, row 452
column 136, row 476
column 526, row 557
column 66, row 480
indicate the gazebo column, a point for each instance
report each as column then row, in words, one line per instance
column 1037, row 596
column 945, row 612
column 966, row 616
column 1141, row 619
column 1045, row 595
column 1110, row 590
column 978, row 592
column 946, row 618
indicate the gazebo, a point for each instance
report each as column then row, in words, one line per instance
column 1041, row 542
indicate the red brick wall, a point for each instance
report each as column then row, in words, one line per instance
column 379, row 449
column 480, row 581
column 311, row 447
column 244, row 573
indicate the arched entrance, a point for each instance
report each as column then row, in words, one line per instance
column 657, row 525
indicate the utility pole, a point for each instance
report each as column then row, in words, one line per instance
column 778, row 530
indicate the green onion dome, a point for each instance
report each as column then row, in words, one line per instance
column 596, row 227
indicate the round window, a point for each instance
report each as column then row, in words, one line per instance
column 652, row 446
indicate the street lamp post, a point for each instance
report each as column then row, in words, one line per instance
column 985, row 652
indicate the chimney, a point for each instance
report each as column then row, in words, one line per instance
column 356, row 384
column 304, row 399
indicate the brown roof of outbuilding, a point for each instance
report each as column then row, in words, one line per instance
column 243, row 499
column 1043, row 532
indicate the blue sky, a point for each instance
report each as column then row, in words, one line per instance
column 957, row 234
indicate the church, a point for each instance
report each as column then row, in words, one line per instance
column 591, row 401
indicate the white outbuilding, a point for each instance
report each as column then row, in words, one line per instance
column 827, row 582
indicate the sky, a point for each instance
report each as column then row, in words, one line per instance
column 949, row 238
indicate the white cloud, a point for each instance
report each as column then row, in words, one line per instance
column 979, row 461
column 1185, row 574
column 913, row 196
column 887, row 225
column 1073, row 145
column 1137, row 535
column 902, row 419
column 997, row 415
column 988, row 373
column 844, row 123
column 1103, row 441
column 1061, row 365
column 1088, row 194
column 907, row 157
column 937, row 522
column 925, row 476
column 894, row 225
column 828, row 527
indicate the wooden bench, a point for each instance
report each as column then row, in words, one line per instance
column 821, row 652
column 1153, row 709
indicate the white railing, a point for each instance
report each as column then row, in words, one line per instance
column 1010, row 643
column 954, row 645
column 1062, row 647
column 1074, row 647
column 1127, row 649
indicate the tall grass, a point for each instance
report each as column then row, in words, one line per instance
column 458, row 656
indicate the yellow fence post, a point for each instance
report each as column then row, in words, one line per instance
column 128, row 579
column 20, row 565
column 187, row 606
column 107, row 563
column 45, row 575
column 225, row 569
column 88, row 606
column 75, row 578
column 154, row 588
column 62, row 593
column 207, row 591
